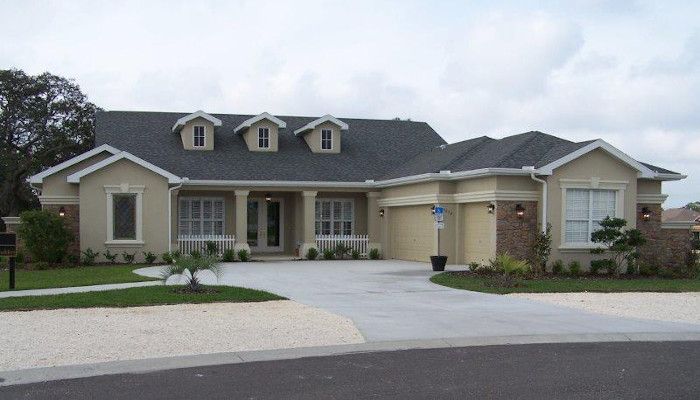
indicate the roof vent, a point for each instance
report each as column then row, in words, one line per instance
column 442, row 146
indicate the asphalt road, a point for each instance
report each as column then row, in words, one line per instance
column 624, row 370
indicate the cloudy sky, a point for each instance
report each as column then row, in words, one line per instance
column 624, row 71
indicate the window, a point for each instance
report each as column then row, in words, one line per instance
column 264, row 138
column 585, row 208
column 199, row 136
column 201, row 216
column 124, row 216
column 326, row 139
column 334, row 217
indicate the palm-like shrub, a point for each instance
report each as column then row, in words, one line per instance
column 341, row 249
column 190, row 268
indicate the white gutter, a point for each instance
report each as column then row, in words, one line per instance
column 170, row 212
column 544, row 196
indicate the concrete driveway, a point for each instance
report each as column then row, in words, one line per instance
column 394, row 300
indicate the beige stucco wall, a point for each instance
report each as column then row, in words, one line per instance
column 313, row 138
column 598, row 164
column 93, row 208
column 412, row 233
column 648, row 186
column 484, row 184
column 479, row 233
column 251, row 136
column 187, row 134
column 56, row 184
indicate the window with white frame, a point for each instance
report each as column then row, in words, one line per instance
column 199, row 136
column 124, row 213
column 201, row 216
column 334, row 217
column 326, row 139
column 264, row 138
column 585, row 208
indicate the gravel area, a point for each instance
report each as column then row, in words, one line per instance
column 78, row 336
column 675, row 307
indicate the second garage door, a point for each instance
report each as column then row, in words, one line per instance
column 412, row 233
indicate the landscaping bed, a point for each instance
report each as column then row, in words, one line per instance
column 560, row 284
column 138, row 296
column 73, row 276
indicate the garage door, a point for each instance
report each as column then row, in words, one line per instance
column 412, row 233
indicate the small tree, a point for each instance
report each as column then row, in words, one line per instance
column 541, row 250
column 621, row 243
column 193, row 265
column 45, row 236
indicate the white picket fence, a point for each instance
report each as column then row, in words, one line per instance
column 189, row 243
column 354, row 242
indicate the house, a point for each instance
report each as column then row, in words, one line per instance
column 682, row 217
column 156, row 181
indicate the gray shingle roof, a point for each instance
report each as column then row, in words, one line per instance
column 371, row 149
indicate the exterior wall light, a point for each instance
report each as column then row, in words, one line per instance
column 646, row 213
column 381, row 213
column 519, row 210
column 491, row 208
column 62, row 212
column 432, row 210
column 268, row 197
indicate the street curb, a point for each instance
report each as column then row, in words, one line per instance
column 34, row 375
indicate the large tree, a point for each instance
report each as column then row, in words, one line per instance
column 44, row 120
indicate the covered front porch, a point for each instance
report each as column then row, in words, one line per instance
column 273, row 221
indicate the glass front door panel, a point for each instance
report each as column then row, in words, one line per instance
column 273, row 223
column 253, row 223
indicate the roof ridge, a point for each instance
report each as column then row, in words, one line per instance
column 471, row 150
column 529, row 140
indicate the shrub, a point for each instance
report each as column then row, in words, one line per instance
column 41, row 265
column 90, row 256
column 605, row 264
column 111, row 258
column 474, row 266
column 509, row 266
column 176, row 254
column 558, row 267
column 45, row 236
column 374, row 254
column 328, row 254
column 691, row 268
column 128, row 258
column 243, row 255
column 312, row 253
column 19, row 257
column 212, row 248
column 648, row 269
column 541, row 249
column 229, row 256
column 575, row 268
column 167, row 258
column 73, row 259
column 621, row 244
column 192, row 265
column 355, row 255
column 149, row 257
column 195, row 253
column 341, row 250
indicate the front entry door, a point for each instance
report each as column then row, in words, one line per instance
column 265, row 222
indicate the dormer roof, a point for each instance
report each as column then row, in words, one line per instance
column 326, row 118
column 250, row 121
column 197, row 114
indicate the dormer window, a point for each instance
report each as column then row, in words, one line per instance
column 264, row 138
column 326, row 139
column 199, row 136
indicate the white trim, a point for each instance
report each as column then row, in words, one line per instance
column 38, row 178
column 180, row 123
column 331, row 140
column 326, row 118
column 250, row 121
column 262, row 220
column 598, row 144
column 592, row 183
column 651, row 198
column 56, row 200
column 263, row 138
column 467, row 197
column 194, row 137
column 124, row 188
column 678, row 225
column 416, row 200
column 588, row 185
column 75, row 178
column 444, row 176
column 669, row 177
column 11, row 220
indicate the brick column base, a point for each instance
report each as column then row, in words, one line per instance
column 665, row 248
column 515, row 235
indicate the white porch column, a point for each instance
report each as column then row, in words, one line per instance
column 373, row 221
column 242, row 220
column 309, row 225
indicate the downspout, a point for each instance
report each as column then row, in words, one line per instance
column 544, row 197
column 170, row 212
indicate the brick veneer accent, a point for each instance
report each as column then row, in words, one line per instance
column 664, row 247
column 514, row 235
column 72, row 221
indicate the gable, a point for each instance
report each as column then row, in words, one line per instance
column 597, row 163
column 57, row 184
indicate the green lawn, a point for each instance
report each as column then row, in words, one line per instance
column 460, row 280
column 76, row 276
column 138, row 296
